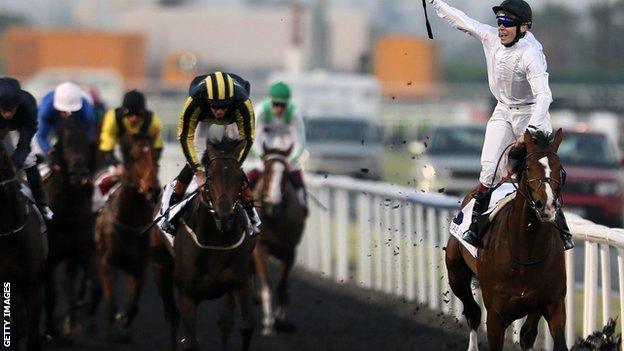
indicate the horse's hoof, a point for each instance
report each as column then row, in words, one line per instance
column 189, row 345
column 56, row 341
column 268, row 331
column 284, row 326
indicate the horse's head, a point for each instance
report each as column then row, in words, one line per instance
column 7, row 171
column 75, row 150
column 139, row 165
column 273, row 180
column 541, row 175
column 223, row 180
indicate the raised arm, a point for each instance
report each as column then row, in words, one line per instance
column 299, row 134
column 536, row 74
column 461, row 21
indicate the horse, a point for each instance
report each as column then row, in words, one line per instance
column 22, row 252
column 212, row 251
column 69, row 189
column 283, row 219
column 120, row 240
column 521, row 268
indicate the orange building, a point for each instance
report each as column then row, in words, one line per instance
column 406, row 66
column 28, row 50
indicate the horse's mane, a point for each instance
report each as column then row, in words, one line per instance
column 225, row 145
column 518, row 153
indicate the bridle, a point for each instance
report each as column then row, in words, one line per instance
column 205, row 194
column 542, row 181
column 20, row 227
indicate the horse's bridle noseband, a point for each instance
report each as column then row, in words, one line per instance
column 542, row 181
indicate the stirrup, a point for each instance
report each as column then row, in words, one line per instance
column 169, row 227
column 46, row 212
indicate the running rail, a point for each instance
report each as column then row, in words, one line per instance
column 389, row 238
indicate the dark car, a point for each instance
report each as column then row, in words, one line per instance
column 594, row 185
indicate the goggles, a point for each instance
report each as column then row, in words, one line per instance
column 278, row 104
column 506, row 21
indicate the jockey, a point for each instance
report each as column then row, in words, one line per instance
column 131, row 118
column 65, row 100
column 277, row 117
column 222, row 99
column 19, row 113
column 518, row 80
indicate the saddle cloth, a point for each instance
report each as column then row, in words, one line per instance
column 106, row 182
column 460, row 224
column 25, row 190
column 165, row 213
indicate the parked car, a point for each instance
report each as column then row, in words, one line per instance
column 345, row 146
column 451, row 160
column 594, row 186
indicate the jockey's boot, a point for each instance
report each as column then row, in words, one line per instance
column 473, row 235
column 564, row 232
column 254, row 219
column 170, row 226
column 36, row 188
column 302, row 194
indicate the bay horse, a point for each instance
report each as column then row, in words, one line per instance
column 212, row 251
column 120, row 240
column 22, row 254
column 283, row 220
column 521, row 268
column 69, row 189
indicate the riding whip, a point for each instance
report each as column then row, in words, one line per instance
column 317, row 201
column 157, row 219
column 429, row 31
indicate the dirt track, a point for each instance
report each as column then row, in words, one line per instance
column 328, row 317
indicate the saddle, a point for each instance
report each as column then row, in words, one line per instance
column 501, row 196
column 106, row 182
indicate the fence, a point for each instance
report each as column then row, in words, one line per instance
column 390, row 238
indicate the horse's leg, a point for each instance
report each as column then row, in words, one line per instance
column 107, row 278
column 282, row 295
column 50, row 299
column 135, row 286
column 528, row 333
column 96, row 288
column 188, row 311
column 495, row 331
column 460, row 277
column 226, row 320
column 71, row 272
column 556, row 318
column 34, row 300
column 260, row 262
column 163, row 276
column 243, row 299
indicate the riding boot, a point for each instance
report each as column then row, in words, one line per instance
column 170, row 225
column 254, row 219
column 564, row 230
column 473, row 235
column 36, row 188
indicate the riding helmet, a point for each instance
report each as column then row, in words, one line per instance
column 219, row 89
column 279, row 92
column 519, row 8
column 67, row 97
column 134, row 102
column 9, row 93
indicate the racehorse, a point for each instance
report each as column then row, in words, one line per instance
column 521, row 266
column 22, row 252
column 212, row 251
column 283, row 219
column 120, row 240
column 69, row 189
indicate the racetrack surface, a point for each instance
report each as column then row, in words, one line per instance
column 328, row 317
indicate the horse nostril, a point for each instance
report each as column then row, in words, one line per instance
column 539, row 204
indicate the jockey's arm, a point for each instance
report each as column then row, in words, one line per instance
column 461, row 21
column 45, row 118
column 187, row 123
column 108, row 138
column 260, row 137
column 27, row 131
column 298, row 133
column 246, row 123
column 155, row 132
column 536, row 74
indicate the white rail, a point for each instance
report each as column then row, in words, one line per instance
column 390, row 238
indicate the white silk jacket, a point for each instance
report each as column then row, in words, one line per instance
column 517, row 75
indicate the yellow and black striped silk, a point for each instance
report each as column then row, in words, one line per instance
column 219, row 86
column 192, row 114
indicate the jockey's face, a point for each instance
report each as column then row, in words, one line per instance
column 278, row 108
column 8, row 114
column 133, row 118
column 508, row 34
column 218, row 111
column 65, row 114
